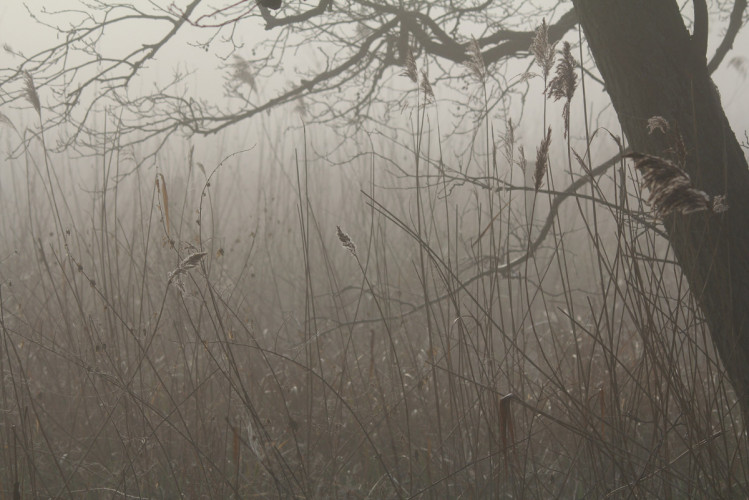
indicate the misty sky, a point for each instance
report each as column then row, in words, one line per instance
column 16, row 27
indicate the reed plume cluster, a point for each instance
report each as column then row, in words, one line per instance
column 563, row 85
column 671, row 189
column 426, row 88
column 346, row 241
column 542, row 50
column 189, row 262
column 31, row 94
column 411, row 71
column 475, row 62
column 542, row 159
column 242, row 72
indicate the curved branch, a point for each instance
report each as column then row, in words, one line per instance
column 154, row 48
column 515, row 41
column 306, row 85
column 734, row 25
column 560, row 197
column 553, row 210
column 438, row 42
column 356, row 34
column 275, row 22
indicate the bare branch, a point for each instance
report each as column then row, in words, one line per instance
column 734, row 25
column 359, row 40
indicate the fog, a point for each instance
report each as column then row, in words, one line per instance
column 402, row 303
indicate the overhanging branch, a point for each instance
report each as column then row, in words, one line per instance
column 734, row 25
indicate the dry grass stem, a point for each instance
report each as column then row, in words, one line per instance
column 502, row 335
column 581, row 162
column 161, row 186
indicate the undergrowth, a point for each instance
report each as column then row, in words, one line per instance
column 490, row 329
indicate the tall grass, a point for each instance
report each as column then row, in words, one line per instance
column 213, row 335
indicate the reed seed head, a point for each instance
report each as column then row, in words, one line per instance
column 186, row 264
column 475, row 61
column 658, row 123
column 242, row 72
column 31, row 94
column 671, row 189
column 346, row 241
column 542, row 50
column 563, row 85
column 411, row 71
column 426, row 88
column 521, row 161
column 542, row 159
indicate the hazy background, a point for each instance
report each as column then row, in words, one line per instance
column 284, row 365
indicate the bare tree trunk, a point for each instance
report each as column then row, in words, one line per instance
column 652, row 67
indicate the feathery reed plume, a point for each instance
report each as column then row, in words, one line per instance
column 658, row 123
column 31, row 95
column 521, row 161
column 411, row 71
column 671, row 189
column 542, row 50
column 426, row 88
column 475, row 61
column 186, row 264
column 542, row 158
column 346, row 241
column 509, row 142
column 242, row 73
column 563, row 85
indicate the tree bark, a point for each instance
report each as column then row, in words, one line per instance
column 651, row 67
